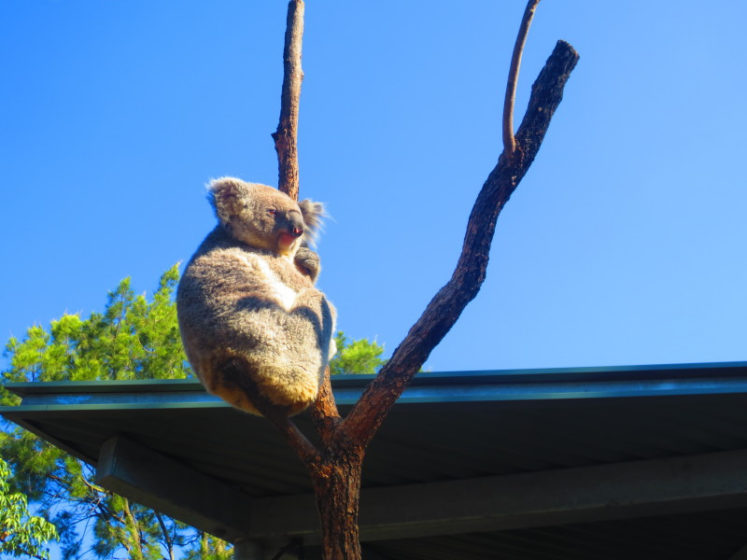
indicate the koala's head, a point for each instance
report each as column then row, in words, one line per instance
column 263, row 217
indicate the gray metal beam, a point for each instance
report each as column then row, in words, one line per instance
column 617, row 491
column 166, row 485
column 614, row 491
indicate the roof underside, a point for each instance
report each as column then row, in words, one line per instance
column 611, row 438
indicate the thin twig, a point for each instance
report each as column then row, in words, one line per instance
column 509, row 142
column 91, row 486
column 286, row 136
column 166, row 537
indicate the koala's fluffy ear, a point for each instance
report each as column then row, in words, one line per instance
column 227, row 196
column 313, row 213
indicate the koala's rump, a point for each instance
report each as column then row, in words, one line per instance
column 257, row 314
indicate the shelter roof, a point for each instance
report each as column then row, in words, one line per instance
column 613, row 462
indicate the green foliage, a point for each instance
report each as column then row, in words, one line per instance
column 21, row 534
column 133, row 338
column 357, row 356
column 209, row 548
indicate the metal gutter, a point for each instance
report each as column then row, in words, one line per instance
column 442, row 387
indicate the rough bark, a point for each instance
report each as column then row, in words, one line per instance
column 286, row 135
column 324, row 411
column 335, row 466
column 446, row 307
column 337, row 483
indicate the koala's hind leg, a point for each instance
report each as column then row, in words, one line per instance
column 263, row 389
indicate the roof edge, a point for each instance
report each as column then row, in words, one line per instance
column 727, row 370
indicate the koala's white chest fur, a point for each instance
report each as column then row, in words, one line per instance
column 281, row 292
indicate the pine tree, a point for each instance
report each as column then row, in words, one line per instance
column 133, row 338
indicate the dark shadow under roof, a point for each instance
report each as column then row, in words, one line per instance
column 624, row 462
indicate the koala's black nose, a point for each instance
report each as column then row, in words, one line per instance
column 297, row 231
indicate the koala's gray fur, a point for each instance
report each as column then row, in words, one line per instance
column 255, row 329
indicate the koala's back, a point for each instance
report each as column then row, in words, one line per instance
column 248, row 315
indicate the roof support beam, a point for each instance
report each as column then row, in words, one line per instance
column 166, row 485
column 613, row 491
column 616, row 491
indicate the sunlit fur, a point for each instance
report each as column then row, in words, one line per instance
column 253, row 325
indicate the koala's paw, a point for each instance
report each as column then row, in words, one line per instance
column 307, row 261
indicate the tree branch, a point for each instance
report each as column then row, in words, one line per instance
column 509, row 142
column 444, row 309
column 323, row 411
column 92, row 487
column 278, row 416
column 168, row 540
column 306, row 451
column 286, row 136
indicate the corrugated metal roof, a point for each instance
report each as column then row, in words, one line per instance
column 448, row 426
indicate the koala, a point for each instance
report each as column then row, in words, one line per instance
column 254, row 327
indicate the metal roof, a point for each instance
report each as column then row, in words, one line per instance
column 615, row 462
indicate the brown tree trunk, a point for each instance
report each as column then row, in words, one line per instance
column 335, row 466
column 337, row 484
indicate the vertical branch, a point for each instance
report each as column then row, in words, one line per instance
column 509, row 142
column 167, row 537
column 324, row 411
column 286, row 136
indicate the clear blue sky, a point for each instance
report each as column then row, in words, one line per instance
column 624, row 244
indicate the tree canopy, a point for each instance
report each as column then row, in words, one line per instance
column 356, row 356
column 134, row 337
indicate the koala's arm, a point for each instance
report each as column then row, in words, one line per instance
column 307, row 261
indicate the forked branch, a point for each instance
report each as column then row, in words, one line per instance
column 445, row 308
column 335, row 466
